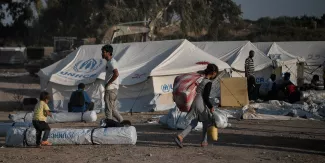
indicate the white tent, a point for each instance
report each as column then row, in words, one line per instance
column 219, row 48
column 312, row 51
column 287, row 63
column 236, row 59
column 235, row 53
column 147, row 71
column 263, row 46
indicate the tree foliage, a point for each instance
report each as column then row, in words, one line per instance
column 91, row 18
column 198, row 20
column 22, row 16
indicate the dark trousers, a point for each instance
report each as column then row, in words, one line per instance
column 90, row 107
column 41, row 126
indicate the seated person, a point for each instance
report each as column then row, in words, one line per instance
column 80, row 101
column 292, row 93
column 284, row 82
column 282, row 86
column 268, row 89
column 315, row 82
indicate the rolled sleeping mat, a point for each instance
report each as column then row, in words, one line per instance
column 4, row 127
column 89, row 116
column 23, row 136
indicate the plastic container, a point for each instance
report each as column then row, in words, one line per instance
column 213, row 132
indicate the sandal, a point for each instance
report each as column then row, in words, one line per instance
column 204, row 144
column 179, row 141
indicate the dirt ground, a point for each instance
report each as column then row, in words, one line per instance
column 246, row 141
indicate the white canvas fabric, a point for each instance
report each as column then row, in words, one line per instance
column 186, row 58
column 263, row 46
column 236, row 58
column 89, row 116
column 22, row 136
column 139, row 65
column 219, row 48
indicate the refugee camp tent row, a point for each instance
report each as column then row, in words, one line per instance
column 147, row 71
column 235, row 55
column 269, row 58
column 313, row 53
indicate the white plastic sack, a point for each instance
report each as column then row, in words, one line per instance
column 4, row 127
column 175, row 119
column 22, row 136
column 221, row 119
column 89, row 116
column 281, row 108
column 313, row 94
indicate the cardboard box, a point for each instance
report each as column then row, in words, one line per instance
column 234, row 91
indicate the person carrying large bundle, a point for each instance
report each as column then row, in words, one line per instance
column 201, row 107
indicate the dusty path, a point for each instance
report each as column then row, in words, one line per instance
column 245, row 141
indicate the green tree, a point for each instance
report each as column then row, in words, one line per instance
column 22, row 17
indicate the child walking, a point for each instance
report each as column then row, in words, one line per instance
column 200, row 107
column 41, row 112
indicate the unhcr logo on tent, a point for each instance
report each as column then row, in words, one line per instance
column 167, row 87
column 87, row 66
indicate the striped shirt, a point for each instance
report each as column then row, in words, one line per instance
column 249, row 67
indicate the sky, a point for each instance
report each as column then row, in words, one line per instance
column 255, row 9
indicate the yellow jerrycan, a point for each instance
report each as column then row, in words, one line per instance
column 213, row 132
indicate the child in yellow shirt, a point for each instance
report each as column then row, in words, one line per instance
column 41, row 111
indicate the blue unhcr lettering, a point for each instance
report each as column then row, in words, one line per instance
column 62, row 135
column 75, row 75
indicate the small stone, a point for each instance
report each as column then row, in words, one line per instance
column 106, row 159
column 264, row 153
column 289, row 156
column 149, row 154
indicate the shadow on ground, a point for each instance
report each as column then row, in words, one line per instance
column 152, row 135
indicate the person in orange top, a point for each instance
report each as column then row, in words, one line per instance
column 41, row 112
